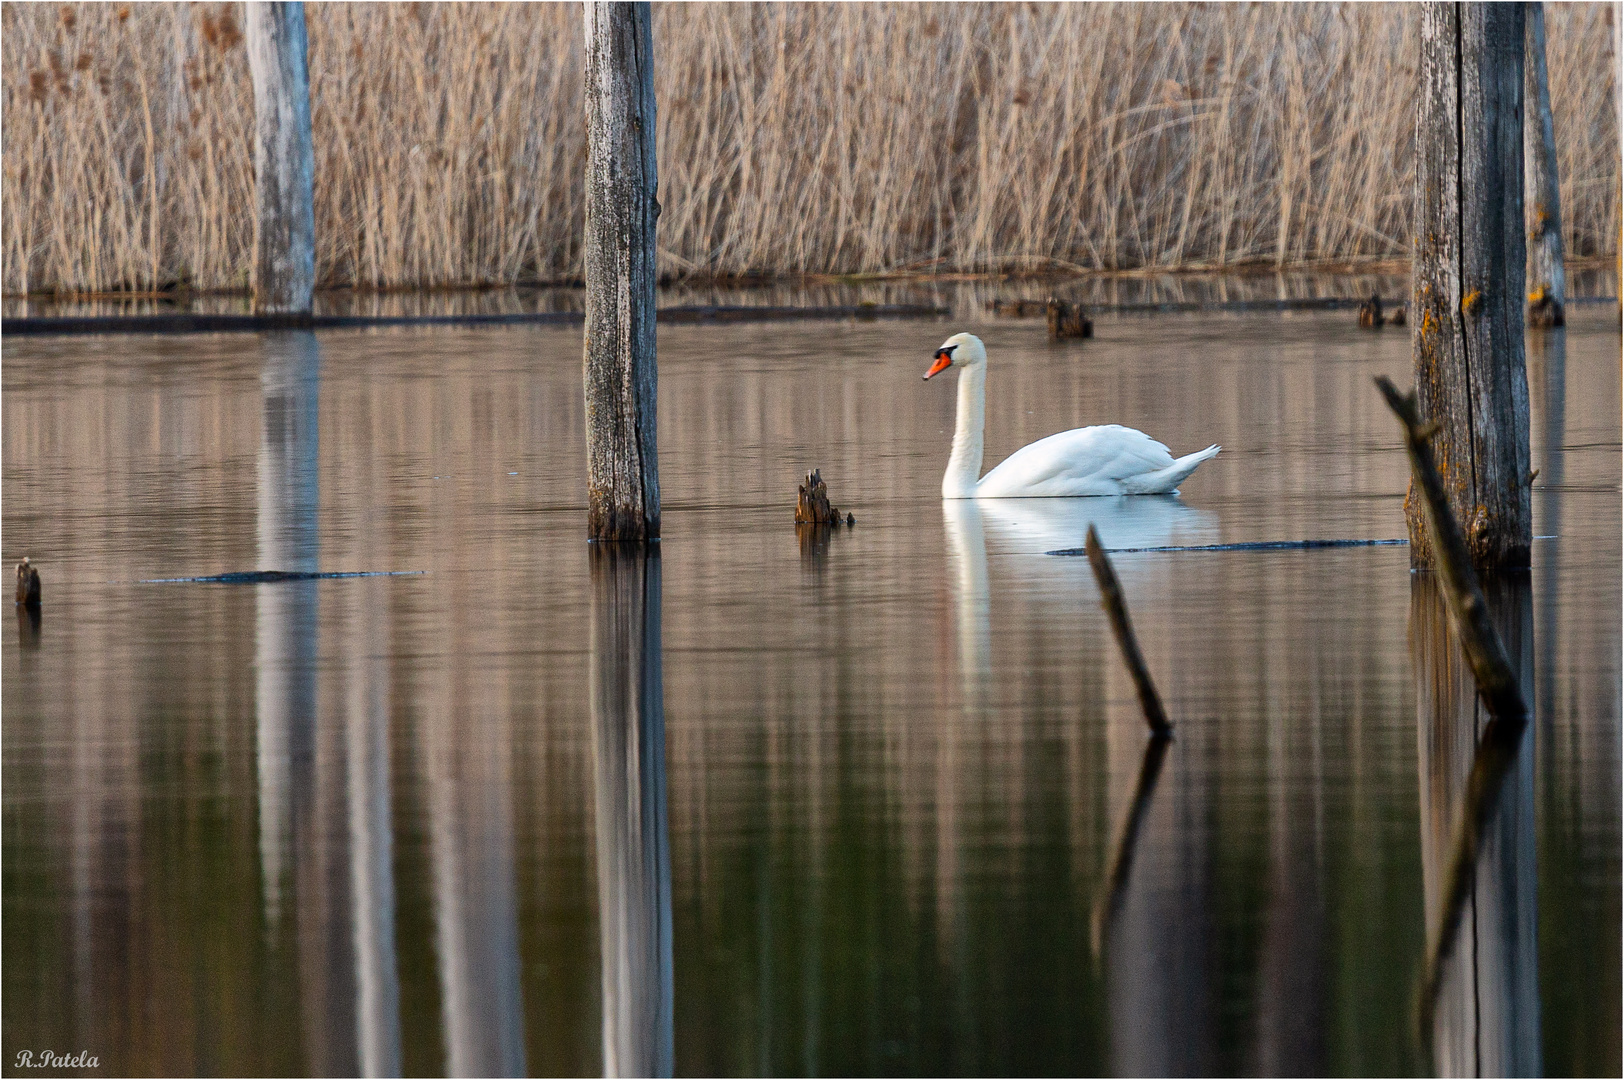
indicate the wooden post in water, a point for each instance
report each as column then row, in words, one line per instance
column 623, row 471
column 1542, row 210
column 1467, row 277
column 284, row 268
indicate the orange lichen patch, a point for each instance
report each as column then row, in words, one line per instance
column 1469, row 303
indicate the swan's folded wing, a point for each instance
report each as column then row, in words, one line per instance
column 1095, row 457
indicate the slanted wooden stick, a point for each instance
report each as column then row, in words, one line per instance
column 1496, row 682
column 1117, row 611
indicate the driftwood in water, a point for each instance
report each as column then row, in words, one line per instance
column 1370, row 312
column 1116, row 610
column 27, row 585
column 284, row 261
column 1018, row 309
column 1542, row 205
column 812, row 503
column 1467, row 277
column 1068, row 320
column 623, row 471
column 1496, row 681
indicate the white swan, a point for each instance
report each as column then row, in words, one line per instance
column 1105, row 460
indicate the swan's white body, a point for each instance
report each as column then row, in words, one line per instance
column 1105, row 460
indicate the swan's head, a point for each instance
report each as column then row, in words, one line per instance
column 960, row 350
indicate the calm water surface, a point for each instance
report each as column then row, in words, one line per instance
column 441, row 823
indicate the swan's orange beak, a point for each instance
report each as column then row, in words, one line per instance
column 944, row 360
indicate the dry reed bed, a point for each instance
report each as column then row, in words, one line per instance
column 793, row 138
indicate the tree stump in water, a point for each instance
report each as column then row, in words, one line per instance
column 27, row 585
column 1370, row 313
column 1068, row 320
column 812, row 503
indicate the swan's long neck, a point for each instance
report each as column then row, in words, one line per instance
column 964, row 466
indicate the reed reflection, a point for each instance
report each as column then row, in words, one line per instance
column 1479, row 998
column 634, row 859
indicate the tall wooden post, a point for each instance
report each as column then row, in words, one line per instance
column 1547, row 280
column 623, row 471
column 284, row 271
column 1467, row 278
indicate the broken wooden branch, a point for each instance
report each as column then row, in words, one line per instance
column 1017, row 309
column 1068, row 320
column 812, row 503
column 27, row 585
column 1496, row 681
column 1116, row 610
column 1370, row 312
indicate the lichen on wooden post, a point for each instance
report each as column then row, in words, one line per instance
column 1467, row 277
column 1542, row 204
column 284, row 262
column 623, row 474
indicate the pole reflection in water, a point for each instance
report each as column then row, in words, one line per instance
column 467, row 758
column 325, row 817
column 634, row 859
column 1483, row 995
column 285, row 634
column 1547, row 398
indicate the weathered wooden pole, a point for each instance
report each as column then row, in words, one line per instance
column 623, row 471
column 1467, row 277
column 284, row 269
column 1547, row 280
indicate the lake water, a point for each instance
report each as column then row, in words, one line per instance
column 441, row 823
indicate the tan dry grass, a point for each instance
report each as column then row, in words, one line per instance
column 793, row 138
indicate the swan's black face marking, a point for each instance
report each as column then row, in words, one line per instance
column 943, row 358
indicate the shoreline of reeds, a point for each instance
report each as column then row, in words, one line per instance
column 1339, row 268
column 797, row 141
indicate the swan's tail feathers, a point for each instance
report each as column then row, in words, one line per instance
column 1166, row 481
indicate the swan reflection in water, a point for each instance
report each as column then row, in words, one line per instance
column 1034, row 527
column 634, row 855
column 1023, row 530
